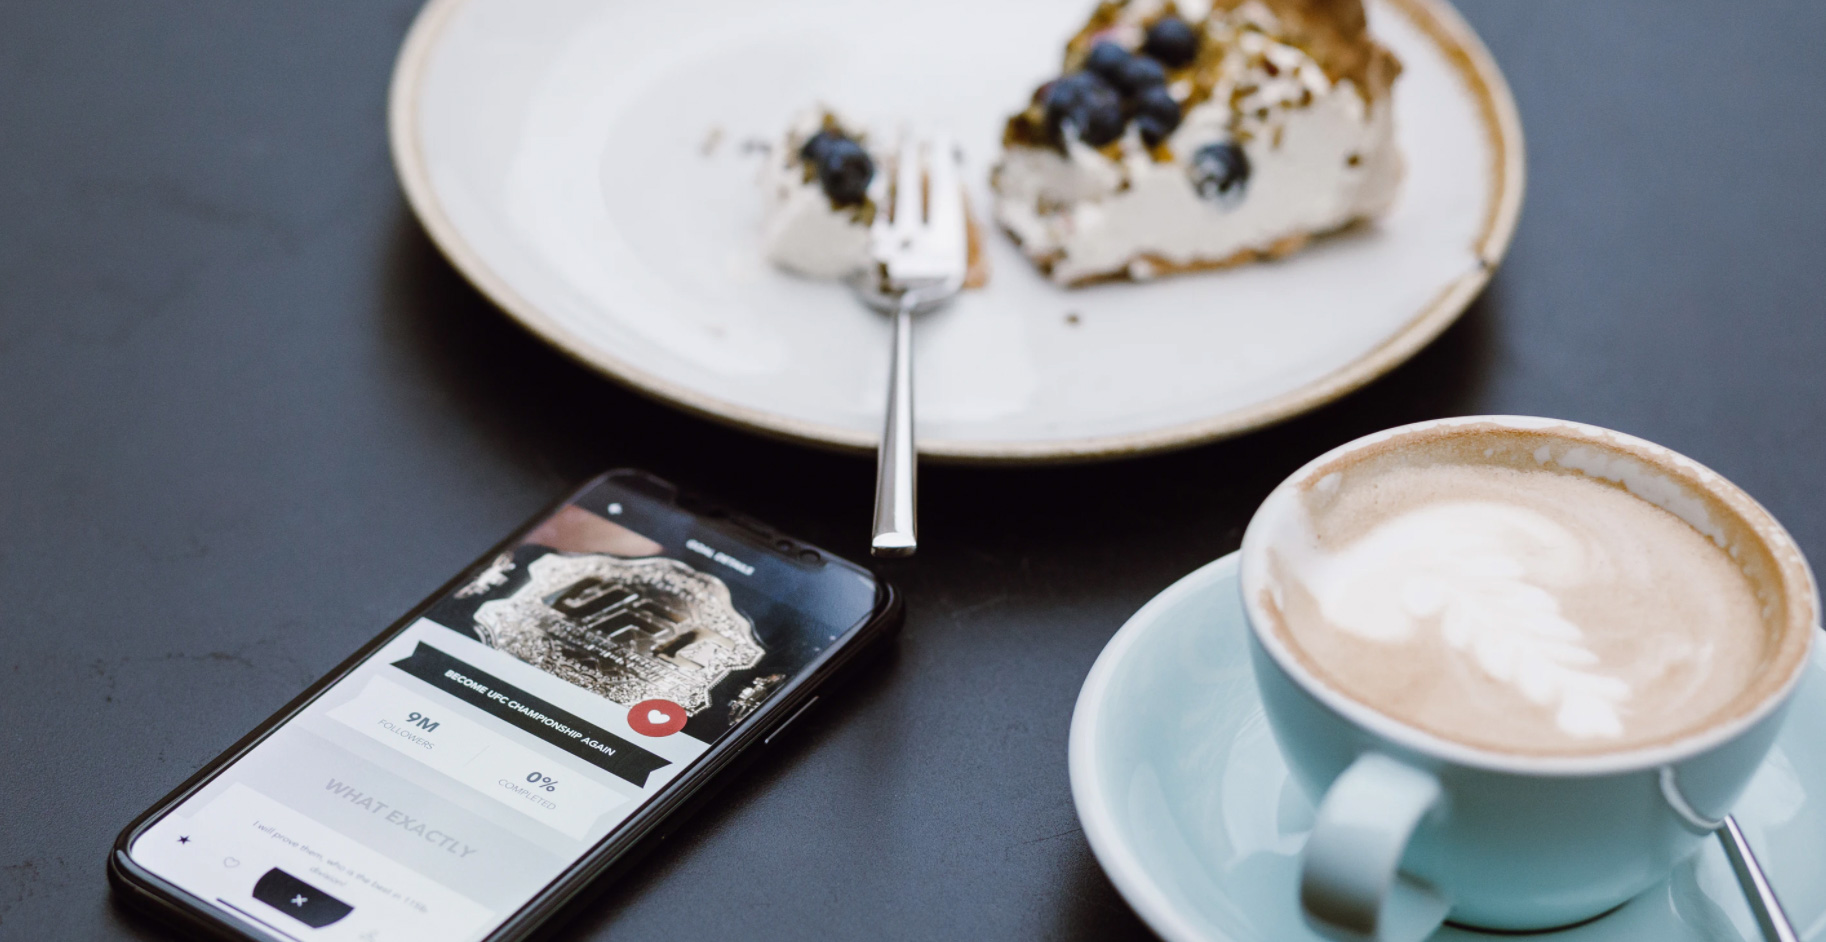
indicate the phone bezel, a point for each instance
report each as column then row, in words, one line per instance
column 583, row 877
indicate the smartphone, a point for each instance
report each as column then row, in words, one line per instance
column 516, row 737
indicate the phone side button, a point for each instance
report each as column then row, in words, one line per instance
column 788, row 721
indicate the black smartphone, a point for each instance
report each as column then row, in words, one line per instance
column 518, row 735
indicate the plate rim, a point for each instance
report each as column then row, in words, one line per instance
column 1438, row 19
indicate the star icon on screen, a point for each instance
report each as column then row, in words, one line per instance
column 183, row 838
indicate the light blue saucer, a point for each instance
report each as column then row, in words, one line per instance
column 1189, row 809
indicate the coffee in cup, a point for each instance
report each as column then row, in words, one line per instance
column 1484, row 585
column 1522, row 666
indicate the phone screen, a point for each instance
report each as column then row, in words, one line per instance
column 492, row 742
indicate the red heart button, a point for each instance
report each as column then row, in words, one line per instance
column 656, row 718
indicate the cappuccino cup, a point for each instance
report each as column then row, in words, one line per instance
column 1522, row 666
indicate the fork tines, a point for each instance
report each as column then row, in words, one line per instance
column 924, row 239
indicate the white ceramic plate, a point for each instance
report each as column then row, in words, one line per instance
column 1190, row 809
column 557, row 151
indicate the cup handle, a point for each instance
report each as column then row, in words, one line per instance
column 1351, row 887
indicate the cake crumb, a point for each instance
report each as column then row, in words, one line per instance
column 1072, row 319
column 711, row 140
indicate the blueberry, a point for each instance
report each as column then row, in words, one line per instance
column 844, row 170
column 1173, row 41
column 1067, row 92
column 1153, row 130
column 1157, row 102
column 1087, row 103
column 1106, row 59
column 813, row 151
column 1156, row 114
column 1140, row 73
column 1220, row 173
column 1065, row 97
column 1101, row 120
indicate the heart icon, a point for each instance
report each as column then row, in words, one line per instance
column 657, row 718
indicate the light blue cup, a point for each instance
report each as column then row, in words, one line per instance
column 1413, row 829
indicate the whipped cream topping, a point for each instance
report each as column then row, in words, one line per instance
column 1322, row 154
column 801, row 230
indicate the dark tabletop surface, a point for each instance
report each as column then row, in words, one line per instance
column 248, row 415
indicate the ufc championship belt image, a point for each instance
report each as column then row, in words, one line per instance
column 625, row 629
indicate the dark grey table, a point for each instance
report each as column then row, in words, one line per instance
column 248, row 415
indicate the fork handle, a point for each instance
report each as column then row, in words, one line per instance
column 896, row 483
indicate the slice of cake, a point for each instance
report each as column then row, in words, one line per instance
column 824, row 183
column 822, row 196
column 1185, row 136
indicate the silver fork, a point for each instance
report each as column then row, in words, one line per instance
column 921, row 252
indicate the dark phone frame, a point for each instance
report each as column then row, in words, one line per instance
column 594, row 870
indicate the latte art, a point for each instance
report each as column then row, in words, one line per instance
column 1481, row 575
column 1532, row 610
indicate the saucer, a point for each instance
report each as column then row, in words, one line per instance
column 1190, row 810
column 590, row 166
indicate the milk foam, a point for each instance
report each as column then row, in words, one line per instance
column 1523, row 610
column 1477, row 569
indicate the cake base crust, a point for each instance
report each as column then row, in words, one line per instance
column 1148, row 266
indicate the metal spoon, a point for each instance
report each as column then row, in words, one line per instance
column 1757, row 891
column 1768, row 909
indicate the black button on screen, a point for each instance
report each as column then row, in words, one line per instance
column 299, row 899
